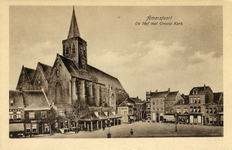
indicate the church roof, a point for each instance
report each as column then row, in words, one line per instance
column 73, row 30
column 91, row 73
column 30, row 73
column 47, row 70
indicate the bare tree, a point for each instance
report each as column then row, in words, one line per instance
column 81, row 109
column 51, row 118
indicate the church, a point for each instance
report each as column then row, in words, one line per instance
column 71, row 80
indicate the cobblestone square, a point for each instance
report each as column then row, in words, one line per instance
column 145, row 130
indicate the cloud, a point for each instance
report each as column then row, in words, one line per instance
column 160, row 67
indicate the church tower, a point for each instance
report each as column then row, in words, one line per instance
column 74, row 47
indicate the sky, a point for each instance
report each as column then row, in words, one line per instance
column 150, row 57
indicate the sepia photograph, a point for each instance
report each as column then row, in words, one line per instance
column 115, row 72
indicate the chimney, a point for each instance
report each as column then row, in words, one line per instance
column 156, row 90
column 168, row 89
column 204, row 87
column 137, row 97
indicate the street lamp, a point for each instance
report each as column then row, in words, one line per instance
column 176, row 115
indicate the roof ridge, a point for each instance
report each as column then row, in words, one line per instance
column 102, row 71
column 45, row 64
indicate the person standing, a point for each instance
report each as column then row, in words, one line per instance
column 131, row 132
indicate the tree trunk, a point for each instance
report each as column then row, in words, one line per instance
column 50, row 128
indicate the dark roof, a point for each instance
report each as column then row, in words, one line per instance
column 30, row 73
column 172, row 95
column 17, row 98
column 35, row 99
column 217, row 97
column 136, row 100
column 159, row 94
column 124, row 103
column 73, row 30
column 180, row 102
column 47, row 70
column 90, row 116
column 200, row 90
column 91, row 73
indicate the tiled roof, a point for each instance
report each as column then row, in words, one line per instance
column 172, row 95
column 199, row 89
column 136, row 100
column 124, row 103
column 35, row 99
column 17, row 98
column 159, row 94
column 47, row 70
column 91, row 73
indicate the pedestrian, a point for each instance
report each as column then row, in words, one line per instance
column 103, row 127
column 131, row 131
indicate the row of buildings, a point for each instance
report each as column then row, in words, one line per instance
column 201, row 106
column 78, row 92
column 73, row 94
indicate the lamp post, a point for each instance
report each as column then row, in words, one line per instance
column 109, row 135
column 176, row 115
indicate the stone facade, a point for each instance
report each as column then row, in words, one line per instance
column 72, row 80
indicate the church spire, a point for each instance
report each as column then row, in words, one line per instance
column 73, row 30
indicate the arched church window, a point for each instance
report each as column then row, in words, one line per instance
column 73, row 48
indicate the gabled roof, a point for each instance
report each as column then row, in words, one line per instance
column 124, row 103
column 47, row 70
column 159, row 94
column 17, row 98
column 89, row 117
column 200, row 90
column 172, row 95
column 30, row 73
column 91, row 73
column 35, row 100
column 73, row 30
column 136, row 100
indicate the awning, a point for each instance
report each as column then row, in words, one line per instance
column 16, row 127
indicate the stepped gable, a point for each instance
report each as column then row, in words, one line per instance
column 17, row 97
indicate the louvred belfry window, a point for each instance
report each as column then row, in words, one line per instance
column 73, row 48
